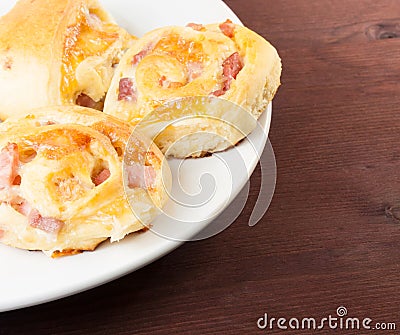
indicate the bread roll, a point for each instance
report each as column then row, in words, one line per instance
column 202, row 64
column 55, row 52
column 61, row 180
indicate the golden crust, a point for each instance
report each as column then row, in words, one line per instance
column 46, row 56
column 71, row 145
column 192, row 61
column 66, row 252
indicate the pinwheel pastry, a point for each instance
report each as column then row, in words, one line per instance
column 62, row 177
column 55, row 52
column 218, row 62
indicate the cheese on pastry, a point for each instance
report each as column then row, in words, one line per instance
column 62, row 177
column 55, row 52
column 202, row 64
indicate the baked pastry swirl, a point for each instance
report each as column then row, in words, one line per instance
column 56, row 52
column 224, row 60
column 61, row 180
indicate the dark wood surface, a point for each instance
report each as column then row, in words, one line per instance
column 332, row 234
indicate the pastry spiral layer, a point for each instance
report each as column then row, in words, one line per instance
column 61, row 180
column 56, row 52
column 224, row 60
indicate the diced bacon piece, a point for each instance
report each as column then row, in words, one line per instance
column 196, row 26
column 140, row 176
column 47, row 224
column 231, row 68
column 139, row 56
column 150, row 176
column 1, row 233
column 17, row 180
column 218, row 93
column 9, row 160
column 135, row 176
column 101, row 177
column 126, row 91
column 195, row 70
column 142, row 54
column 24, row 208
column 86, row 101
column 228, row 28
column 33, row 217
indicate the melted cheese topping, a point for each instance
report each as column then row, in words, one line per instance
column 87, row 38
column 176, row 62
column 184, row 50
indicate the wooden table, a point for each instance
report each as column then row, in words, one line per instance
column 332, row 234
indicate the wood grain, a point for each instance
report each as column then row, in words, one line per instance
column 331, row 236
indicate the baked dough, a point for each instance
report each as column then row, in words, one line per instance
column 226, row 73
column 61, row 180
column 55, row 52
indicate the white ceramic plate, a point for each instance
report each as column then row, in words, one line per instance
column 30, row 278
